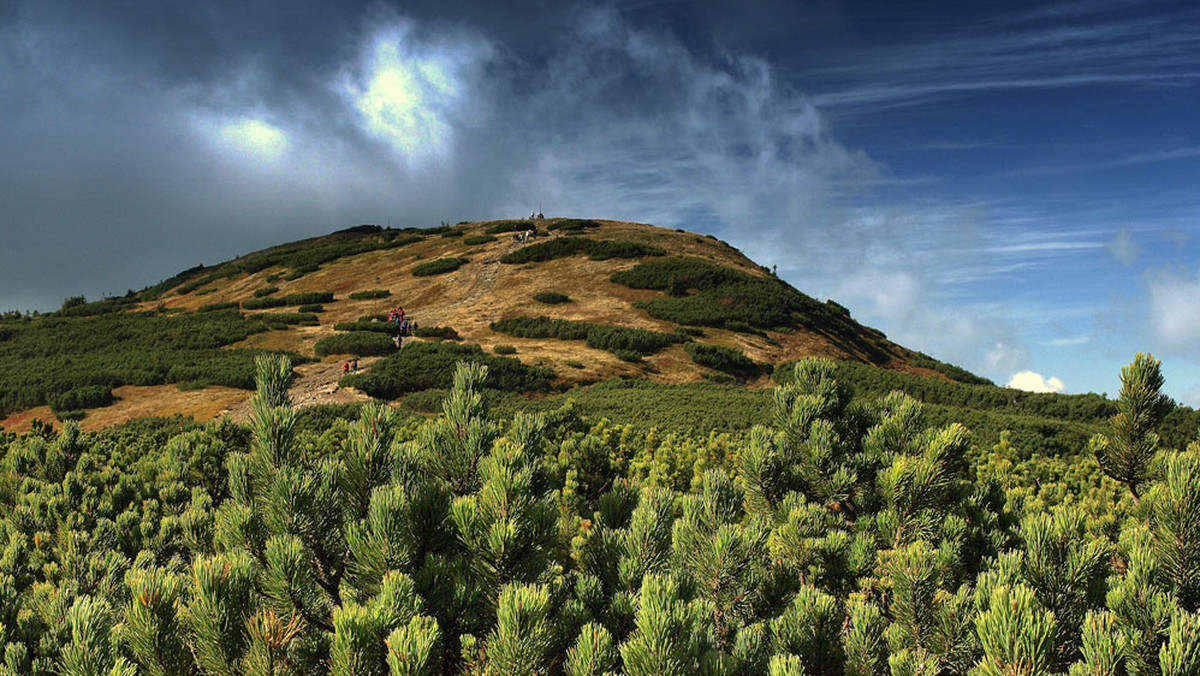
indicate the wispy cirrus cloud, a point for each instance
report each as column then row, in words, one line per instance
column 1165, row 155
column 1085, row 45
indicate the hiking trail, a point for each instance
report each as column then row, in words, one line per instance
column 313, row 384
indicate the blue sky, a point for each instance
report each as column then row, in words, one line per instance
column 1013, row 190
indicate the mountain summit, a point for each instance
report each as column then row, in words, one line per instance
column 579, row 300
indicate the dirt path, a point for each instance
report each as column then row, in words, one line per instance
column 314, row 384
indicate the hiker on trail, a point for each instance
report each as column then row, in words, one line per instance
column 345, row 367
column 396, row 339
column 354, row 365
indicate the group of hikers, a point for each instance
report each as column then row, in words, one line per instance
column 350, row 366
column 522, row 236
column 396, row 316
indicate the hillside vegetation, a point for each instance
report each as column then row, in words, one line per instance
column 636, row 295
column 841, row 535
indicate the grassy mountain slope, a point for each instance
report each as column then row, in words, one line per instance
column 740, row 319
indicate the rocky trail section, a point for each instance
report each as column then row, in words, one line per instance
column 313, row 384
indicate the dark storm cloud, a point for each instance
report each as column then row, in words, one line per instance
column 141, row 138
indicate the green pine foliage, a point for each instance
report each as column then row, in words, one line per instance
column 573, row 225
column 310, row 298
column 423, row 366
column 594, row 249
column 299, row 258
column 1125, row 453
column 551, row 297
column 74, row 362
column 440, row 266
column 213, row 307
column 370, row 294
column 360, row 343
column 266, row 302
column 302, row 318
column 598, row 336
column 721, row 358
column 438, row 332
column 510, row 226
column 476, row 240
column 840, row 536
column 390, row 328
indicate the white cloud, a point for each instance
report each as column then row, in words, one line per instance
column 255, row 137
column 1035, row 382
column 1175, row 308
column 412, row 90
column 1123, row 247
column 1070, row 341
column 894, row 294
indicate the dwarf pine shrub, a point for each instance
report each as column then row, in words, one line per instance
column 370, row 294
column 360, row 343
column 440, row 266
column 841, row 535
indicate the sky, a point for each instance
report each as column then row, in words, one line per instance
column 1012, row 187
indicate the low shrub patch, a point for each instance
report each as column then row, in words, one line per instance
column 551, row 297
column 720, row 378
column 728, row 298
column 287, row 318
column 573, row 225
column 426, row 401
column 389, row 328
column 510, row 226
column 213, row 307
column 361, row 343
column 476, row 240
column 88, row 396
column 724, row 359
column 443, row 332
column 632, row 356
column 300, row 258
column 317, row 419
column 312, row 307
column 265, row 291
column 438, row 267
column 542, row 327
column 504, row 349
column 642, row 341
column 597, row 336
column 370, row 294
column 424, row 366
column 263, row 303
column 453, row 233
column 595, row 249
column 309, row 298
